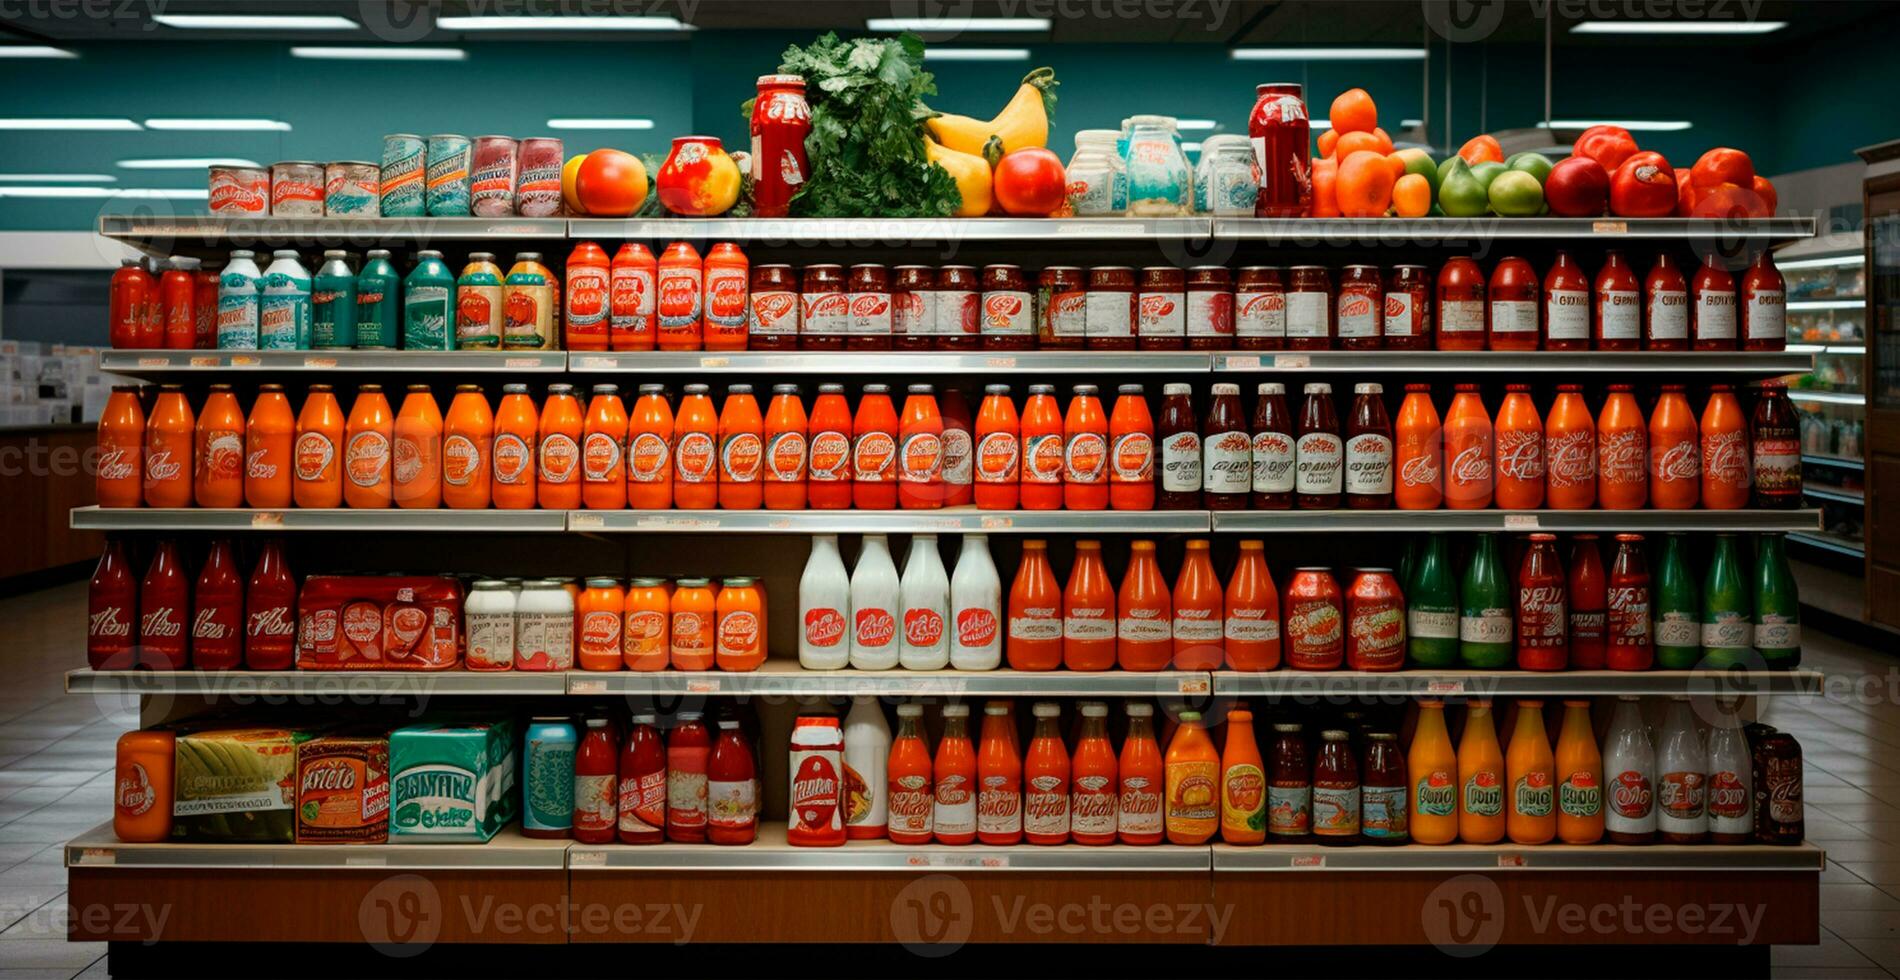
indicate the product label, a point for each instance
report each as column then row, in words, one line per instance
column 921, row 458
column 1767, row 315
column 1435, row 794
column 512, row 460
column 1678, row 629
column 1036, row 623
column 1046, row 806
column 1401, row 320
column 1619, row 314
column 1668, row 315
column 1210, row 314
column 647, row 457
column 1513, row 316
column 870, row 315
column 824, row 627
column 694, row 458
column 976, row 627
column 999, row 806
column 996, row 458
column 315, row 454
column 1335, row 811
column 1109, row 314
column 461, row 460
column 1727, row 797
column 874, row 457
column 957, row 461
column 1567, row 314
column 1092, row 806
column 1161, row 315
column 1251, row 626
column 785, row 457
column 1067, row 313
column 681, row 292
column 1139, row 811
column 1679, row 795
column 1290, row 809
column 1533, row 795
column 1484, row 794
column 826, row 314
column 830, row 457
column 1485, row 626
column 1008, row 313
column 630, row 302
column 914, row 313
column 1382, row 812
column 1369, row 464
column 1306, row 314
column 1088, row 624
column 1715, row 315
column 773, row 314
column 1133, row 458
column 1727, row 630
column 1273, row 455
column 1085, row 458
column 910, row 805
column 1227, row 463
column 1580, row 796
column 1144, row 626
column 923, row 627
column 1042, row 458
column 955, row 809
column 1439, row 624
column 600, row 458
column 1461, row 316
column 1777, row 631
column 1359, row 311
column 1319, row 462
column 560, row 458
column 1520, row 454
column 731, row 805
column 1181, row 462
column 1260, row 314
column 1197, row 626
column 1630, row 795
column 1243, row 798
column 366, row 459
column 873, row 628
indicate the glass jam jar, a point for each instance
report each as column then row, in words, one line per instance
column 1309, row 309
column 959, row 308
column 1511, row 321
column 824, row 308
column 1061, row 308
column 1210, row 307
column 1259, row 309
column 914, row 308
column 870, row 293
column 1161, row 309
column 1460, row 306
column 1360, row 308
column 1408, row 309
column 1009, row 312
column 772, row 309
column 1111, row 308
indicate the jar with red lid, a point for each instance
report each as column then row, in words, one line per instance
column 1009, row 312
column 1061, row 308
column 1161, row 309
column 1511, row 320
column 1408, row 309
column 870, row 292
column 914, row 308
column 772, row 309
column 959, row 308
column 1360, row 310
column 1111, row 308
column 824, row 309
column 1460, row 305
column 1210, row 308
column 1309, row 309
column 1259, row 309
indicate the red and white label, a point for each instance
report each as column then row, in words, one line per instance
column 1161, row 315
column 1008, row 313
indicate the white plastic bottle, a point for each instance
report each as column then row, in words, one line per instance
column 1731, row 783
column 1629, row 768
column 874, row 606
column 1682, row 778
column 284, row 316
column 976, row 604
column 867, row 755
column 925, row 591
column 824, row 608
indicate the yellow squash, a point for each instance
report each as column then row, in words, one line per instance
column 1023, row 122
column 971, row 172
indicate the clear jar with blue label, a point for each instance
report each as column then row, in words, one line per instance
column 1159, row 181
column 1094, row 173
column 1227, row 180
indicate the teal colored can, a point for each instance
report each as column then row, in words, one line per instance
column 547, row 784
column 428, row 304
column 378, row 303
column 333, row 302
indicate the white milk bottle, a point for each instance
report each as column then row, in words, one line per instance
column 1681, row 778
column 925, row 591
column 976, row 604
column 874, row 606
column 824, row 608
column 1629, row 770
column 867, row 753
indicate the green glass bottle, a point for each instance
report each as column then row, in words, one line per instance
column 1409, row 562
column 426, row 304
column 1432, row 607
column 378, row 303
column 1678, row 605
column 1485, row 629
column 333, row 302
column 1728, row 637
column 1777, row 606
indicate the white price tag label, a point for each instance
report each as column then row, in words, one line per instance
column 957, row 861
column 1297, row 362
column 1520, row 522
column 587, row 363
column 586, row 859
column 97, row 855
column 319, row 362
column 155, row 362
column 365, row 861
column 1309, row 861
column 582, row 519
column 1513, row 861
column 1192, row 685
column 268, row 518
column 1445, row 686
column 1238, row 362
column 1609, row 227
column 1000, row 362
column 715, row 362
column 998, row 523
column 702, row 685
column 586, row 685
column 535, row 362
column 205, row 362
column 240, row 360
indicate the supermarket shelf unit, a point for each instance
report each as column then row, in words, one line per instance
column 1819, row 267
column 1280, row 895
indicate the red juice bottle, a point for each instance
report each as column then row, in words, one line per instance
column 1179, row 435
column 1042, row 450
column 642, row 798
column 997, row 453
column 1618, row 320
column 688, row 749
column 1085, row 453
column 596, row 796
column 1712, row 306
column 270, row 612
column 164, row 602
column 1131, row 438
column 958, row 449
column 112, row 608
column 1226, row 452
column 828, row 443
column 732, row 807
column 1368, row 456
column 217, row 617
column 1589, row 603
column 1272, row 449
column 1665, row 306
column 1566, row 305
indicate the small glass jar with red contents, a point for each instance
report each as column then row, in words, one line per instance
column 913, row 307
column 1566, row 305
column 1511, row 312
column 869, row 287
column 824, row 308
column 1309, row 308
column 1161, row 309
column 1008, row 317
column 1061, row 308
column 959, row 308
column 772, row 309
column 1359, row 311
column 1111, row 308
column 1408, row 309
column 1259, row 309
column 1210, row 308
column 1460, row 306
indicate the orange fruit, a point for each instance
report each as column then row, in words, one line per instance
column 1354, row 142
column 1385, row 141
column 1397, row 163
column 1480, row 149
column 1353, row 112
column 1363, row 187
column 1412, row 196
column 1325, row 205
column 1327, row 140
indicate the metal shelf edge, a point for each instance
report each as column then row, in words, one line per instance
column 1742, row 859
column 780, row 680
column 99, row 850
column 1429, row 683
column 958, row 519
column 96, row 518
column 1801, row 519
column 334, row 683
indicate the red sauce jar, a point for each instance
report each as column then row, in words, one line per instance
column 1259, row 309
column 1618, row 323
column 1511, row 320
column 772, row 309
column 959, row 308
column 1460, row 306
column 1111, row 308
column 824, row 308
column 870, row 292
column 1566, row 305
column 1061, row 308
column 1665, row 306
column 1009, row 312
column 1408, row 309
column 1161, row 309
column 914, row 308
column 1309, row 309
column 1210, row 308
column 1360, row 310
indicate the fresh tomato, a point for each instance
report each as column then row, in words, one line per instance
column 1685, row 194
column 1723, row 165
column 1766, row 191
column 1607, row 145
column 1578, row 187
column 1482, row 149
column 1729, row 201
column 1031, row 182
column 610, row 182
column 1643, row 187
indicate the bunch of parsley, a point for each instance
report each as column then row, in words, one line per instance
column 866, row 147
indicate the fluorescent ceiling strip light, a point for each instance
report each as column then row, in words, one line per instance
column 1633, row 125
column 221, row 125
column 1191, row 147
column 1194, row 124
column 59, row 178
column 1328, row 54
column 1679, row 27
column 34, row 51
column 1826, row 304
column 1828, row 263
column 115, row 125
column 976, row 54
column 926, row 25
column 394, row 53
column 184, row 163
column 257, row 22
column 600, row 124
column 557, row 23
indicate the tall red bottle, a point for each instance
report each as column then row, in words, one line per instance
column 1618, row 320
column 1273, row 452
column 959, row 457
column 1665, row 306
column 1566, row 305
column 1763, row 305
column 998, row 451
column 732, row 806
column 1319, row 453
column 1178, row 437
column 642, row 798
column 1368, row 460
column 874, row 450
column 217, row 614
column 1589, row 602
column 1542, row 616
column 596, row 788
column 1042, row 450
column 1712, row 306
column 164, row 604
column 1226, row 452
column 1085, row 452
column 1131, row 438
column 270, row 606
column 112, row 608
column 1629, row 642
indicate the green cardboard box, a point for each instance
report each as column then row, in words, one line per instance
column 452, row 782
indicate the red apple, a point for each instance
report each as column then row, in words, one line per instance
column 1578, row 187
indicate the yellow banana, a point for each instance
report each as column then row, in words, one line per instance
column 971, row 172
column 1023, row 122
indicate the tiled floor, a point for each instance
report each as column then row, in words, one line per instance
column 56, row 761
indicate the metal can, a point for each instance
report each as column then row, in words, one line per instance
column 1309, row 309
column 1259, row 309
column 869, row 289
column 1314, row 622
column 1161, row 309
column 959, row 308
column 1375, row 622
column 1408, row 309
column 538, row 186
column 1111, row 308
column 353, row 189
column 401, row 183
column 1062, row 313
column 491, row 188
column 448, row 170
column 824, row 309
column 547, row 783
column 1008, row 311
column 772, row 309
column 914, row 307
column 296, row 189
column 1360, row 309
column 243, row 191
column 1210, row 307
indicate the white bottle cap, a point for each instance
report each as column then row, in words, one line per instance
column 1368, row 388
column 956, row 711
column 1047, row 709
column 910, row 711
column 1094, row 709
column 1140, row 709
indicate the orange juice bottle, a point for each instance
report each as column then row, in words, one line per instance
column 828, row 450
column 142, row 787
column 268, row 436
column 1570, row 452
column 999, row 778
column 170, row 432
column 1480, row 778
column 1046, row 779
column 1622, row 452
column 603, row 469
column 598, row 623
column 1243, row 783
column 1468, row 452
column 366, row 465
column 1142, row 775
column 1519, row 434
column 1144, row 635
column 1092, row 786
column 1579, row 772
column 1035, row 612
column 120, row 479
column 1088, row 612
column 1251, row 627
column 219, row 480
column 1193, row 783
column 874, row 450
column 741, row 450
column 517, row 433
column 318, row 477
column 909, row 780
column 646, row 620
column 650, row 451
column 1675, row 454
column 1085, row 452
column 739, row 640
column 953, row 811
column 785, row 424
column 997, row 451
column 1042, row 450
column 723, row 314
column 468, row 439
column 1434, row 773
column 1418, row 452
column 696, row 451
column 1527, row 766
column 418, row 451
column 694, row 617
column 557, row 478
column 920, row 483
column 1198, row 605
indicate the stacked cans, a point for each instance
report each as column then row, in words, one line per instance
column 443, row 176
column 296, row 189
